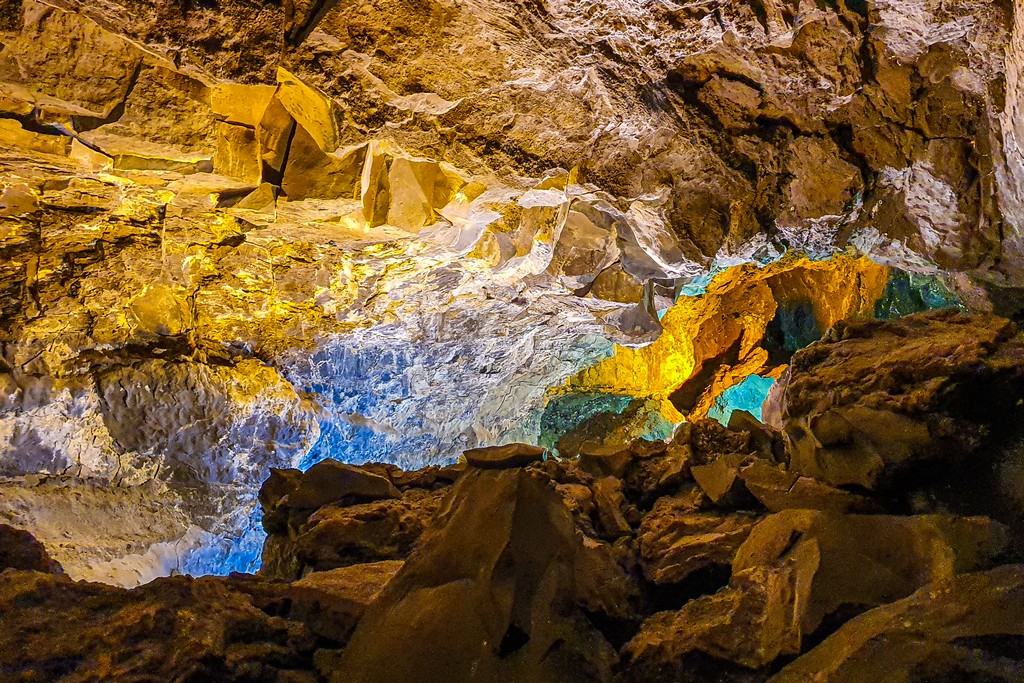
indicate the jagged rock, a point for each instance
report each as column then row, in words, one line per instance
column 866, row 560
column 330, row 603
column 504, row 457
column 66, row 62
column 20, row 550
column 13, row 135
column 874, row 400
column 238, row 153
column 175, row 628
column 331, row 481
column 677, row 539
column 172, row 344
column 720, row 479
column 797, row 567
column 602, row 461
column 273, row 497
column 959, row 629
column 610, row 502
column 709, row 440
column 746, row 624
column 765, row 442
column 493, row 592
column 779, row 490
column 657, row 470
column 369, row 532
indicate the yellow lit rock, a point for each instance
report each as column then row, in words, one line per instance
column 312, row 110
column 13, row 135
column 238, row 153
column 713, row 341
column 241, row 104
column 412, row 194
column 156, row 310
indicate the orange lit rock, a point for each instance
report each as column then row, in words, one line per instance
column 712, row 341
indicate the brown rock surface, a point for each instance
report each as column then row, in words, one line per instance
column 493, row 591
column 20, row 550
column 797, row 567
column 383, row 530
column 677, row 540
column 967, row 628
column 174, row 628
column 331, row 481
column 504, row 457
column 874, row 400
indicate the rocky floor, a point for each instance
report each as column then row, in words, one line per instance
column 874, row 536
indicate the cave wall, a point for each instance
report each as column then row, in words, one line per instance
column 256, row 235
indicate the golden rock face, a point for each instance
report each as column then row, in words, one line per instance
column 712, row 341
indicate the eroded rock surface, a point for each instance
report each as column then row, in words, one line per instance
column 611, row 566
column 920, row 398
column 257, row 235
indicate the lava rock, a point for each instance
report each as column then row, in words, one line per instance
column 720, row 479
column 368, row 532
column 797, row 567
column 492, row 593
column 967, row 628
column 677, row 540
column 778, row 490
column 19, row 549
column 175, row 628
column 875, row 399
column 330, row 481
column 504, row 457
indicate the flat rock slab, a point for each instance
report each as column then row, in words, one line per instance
column 504, row 457
column 330, row 481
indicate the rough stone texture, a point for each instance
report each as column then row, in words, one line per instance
column 676, row 540
column 588, row 569
column 336, row 515
column 504, row 457
column 873, row 401
column 252, row 235
column 798, row 567
column 179, row 628
column 20, row 550
column 497, row 590
column 968, row 628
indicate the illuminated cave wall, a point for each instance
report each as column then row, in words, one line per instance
column 726, row 340
column 417, row 231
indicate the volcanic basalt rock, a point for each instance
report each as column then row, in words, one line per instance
column 245, row 236
column 877, row 401
column 593, row 568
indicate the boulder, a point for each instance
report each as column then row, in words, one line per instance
column 873, row 400
column 720, row 479
column 20, row 550
column 656, row 470
column 799, row 566
column 504, row 457
column 330, row 481
column 677, row 540
column 493, row 593
column 868, row 560
column 968, row 628
column 610, row 502
column 368, row 532
column 332, row 602
column 778, row 490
